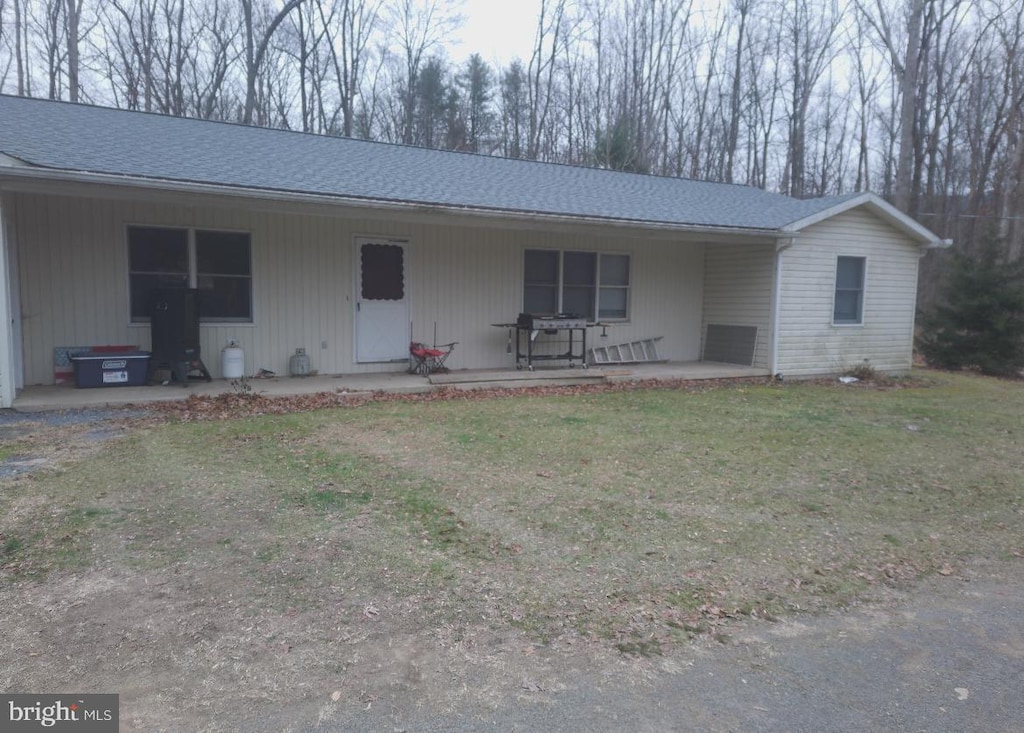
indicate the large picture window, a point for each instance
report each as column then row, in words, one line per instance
column 589, row 284
column 218, row 263
column 849, row 301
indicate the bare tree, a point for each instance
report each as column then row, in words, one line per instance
column 5, row 58
column 1010, row 27
column 72, row 37
column 703, row 84
column 302, row 41
column 129, row 51
column 348, row 31
column 20, row 47
column 419, row 26
column 257, row 41
column 207, row 70
column 809, row 50
column 867, row 82
column 542, row 71
column 743, row 8
column 906, row 60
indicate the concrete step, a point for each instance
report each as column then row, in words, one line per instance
column 518, row 377
column 524, row 378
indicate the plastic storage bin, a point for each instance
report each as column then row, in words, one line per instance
column 111, row 369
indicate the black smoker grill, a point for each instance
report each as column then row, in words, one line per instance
column 529, row 326
column 174, row 323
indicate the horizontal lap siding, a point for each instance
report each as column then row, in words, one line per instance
column 738, row 291
column 73, row 270
column 808, row 342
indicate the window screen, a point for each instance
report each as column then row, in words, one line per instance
column 382, row 272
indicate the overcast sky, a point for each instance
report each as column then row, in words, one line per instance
column 499, row 30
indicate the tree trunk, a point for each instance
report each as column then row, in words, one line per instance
column 255, row 51
column 903, row 194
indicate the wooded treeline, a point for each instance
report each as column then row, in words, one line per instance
column 921, row 101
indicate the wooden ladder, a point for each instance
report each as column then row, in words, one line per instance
column 631, row 352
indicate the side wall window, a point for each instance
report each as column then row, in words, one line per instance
column 589, row 284
column 218, row 263
column 849, row 299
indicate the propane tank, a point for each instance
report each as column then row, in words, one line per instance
column 298, row 364
column 232, row 361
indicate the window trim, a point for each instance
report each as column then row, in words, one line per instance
column 862, row 290
column 193, row 269
column 597, row 286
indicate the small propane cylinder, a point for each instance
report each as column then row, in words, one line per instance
column 298, row 364
column 232, row 361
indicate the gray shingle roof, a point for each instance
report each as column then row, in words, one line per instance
column 82, row 138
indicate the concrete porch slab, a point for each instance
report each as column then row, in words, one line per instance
column 68, row 397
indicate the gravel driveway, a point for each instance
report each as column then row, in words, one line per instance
column 947, row 657
column 32, row 432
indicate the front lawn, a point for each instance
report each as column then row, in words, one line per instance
column 279, row 556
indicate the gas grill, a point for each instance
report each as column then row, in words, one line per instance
column 554, row 322
column 563, row 330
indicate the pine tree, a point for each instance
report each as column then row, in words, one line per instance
column 979, row 323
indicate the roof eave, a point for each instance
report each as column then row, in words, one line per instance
column 9, row 161
column 880, row 207
column 28, row 172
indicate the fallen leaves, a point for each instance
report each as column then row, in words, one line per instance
column 715, row 612
column 233, row 405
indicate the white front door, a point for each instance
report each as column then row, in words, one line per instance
column 382, row 301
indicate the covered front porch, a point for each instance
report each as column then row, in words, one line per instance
column 70, row 285
column 68, row 397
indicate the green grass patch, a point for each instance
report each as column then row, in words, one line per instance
column 639, row 518
column 11, row 548
column 332, row 500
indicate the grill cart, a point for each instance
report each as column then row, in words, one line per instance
column 566, row 331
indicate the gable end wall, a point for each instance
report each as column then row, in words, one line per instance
column 809, row 344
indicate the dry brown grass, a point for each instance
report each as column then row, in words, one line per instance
column 448, row 547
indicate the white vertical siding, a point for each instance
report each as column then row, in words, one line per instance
column 8, row 310
column 738, row 291
column 73, row 265
column 809, row 343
